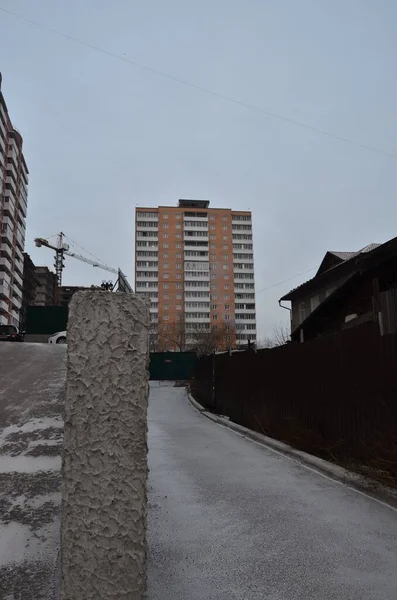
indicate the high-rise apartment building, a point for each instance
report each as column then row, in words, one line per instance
column 196, row 264
column 13, row 207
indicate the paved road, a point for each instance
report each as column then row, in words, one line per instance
column 231, row 520
column 32, row 381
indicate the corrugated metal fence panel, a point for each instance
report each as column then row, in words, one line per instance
column 46, row 319
column 172, row 366
column 335, row 396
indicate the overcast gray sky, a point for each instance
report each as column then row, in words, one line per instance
column 102, row 135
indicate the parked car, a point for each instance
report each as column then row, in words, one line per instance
column 9, row 333
column 58, row 338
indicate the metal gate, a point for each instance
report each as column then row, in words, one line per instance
column 172, row 366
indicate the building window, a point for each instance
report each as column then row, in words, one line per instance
column 178, row 307
column 165, row 245
column 214, row 317
column 165, row 265
column 213, row 286
column 178, row 216
column 212, row 246
column 213, row 297
column 165, row 216
column 178, row 255
column 165, row 255
column 212, row 237
column 224, row 237
column 225, row 247
column 165, row 225
column 166, row 296
column 224, row 218
column 179, row 275
column 226, row 277
column 227, row 306
column 213, row 256
column 166, row 276
column 165, row 236
column 178, row 266
column 179, row 296
column 226, row 267
column 225, row 257
column 212, row 227
column 212, row 217
column 178, row 236
column 213, row 306
column 178, row 225
column 224, row 227
column 178, row 245
column 213, row 275
column 165, row 286
column 226, row 286
column 166, row 307
column 227, row 317
column 179, row 286
column 227, row 297
column 165, row 317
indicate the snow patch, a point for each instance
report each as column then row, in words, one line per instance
column 29, row 464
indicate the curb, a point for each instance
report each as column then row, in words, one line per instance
column 369, row 487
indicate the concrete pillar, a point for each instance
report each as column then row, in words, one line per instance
column 103, row 537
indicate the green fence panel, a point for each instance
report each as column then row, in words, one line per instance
column 172, row 366
column 46, row 319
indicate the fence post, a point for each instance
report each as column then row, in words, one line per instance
column 103, row 533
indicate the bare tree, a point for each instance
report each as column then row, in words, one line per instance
column 219, row 337
column 281, row 336
column 172, row 336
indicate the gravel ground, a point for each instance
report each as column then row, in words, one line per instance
column 32, row 383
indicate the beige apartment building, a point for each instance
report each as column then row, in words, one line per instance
column 196, row 265
column 13, row 207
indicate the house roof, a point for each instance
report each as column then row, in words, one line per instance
column 347, row 260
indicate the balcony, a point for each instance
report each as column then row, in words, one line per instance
column 197, row 277
column 193, row 238
column 17, row 280
column 7, row 234
column 4, row 286
column 5, row 263
column 197, row 319
column 9, row 204
column 150, row 235
column 18, row 253
column 3, row 306
column 10, row 181
column 18, row 266
column 140, row 229
column 20, row 239
column 23, row 207
column 189, row 227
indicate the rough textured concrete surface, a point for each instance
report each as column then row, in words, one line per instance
column 232, row 520
column 105, row 450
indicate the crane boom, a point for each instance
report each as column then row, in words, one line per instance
column 62, row 249
column 93, row 263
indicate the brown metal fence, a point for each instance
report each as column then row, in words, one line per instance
column 335, row 396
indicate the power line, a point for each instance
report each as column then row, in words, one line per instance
column 205, row 90
column 284, row 280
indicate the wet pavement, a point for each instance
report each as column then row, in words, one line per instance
column 32, row 386
column 231, row 520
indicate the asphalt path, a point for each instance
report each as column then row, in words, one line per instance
column 230, row 519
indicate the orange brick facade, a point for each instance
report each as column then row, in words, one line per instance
column 184, row 261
